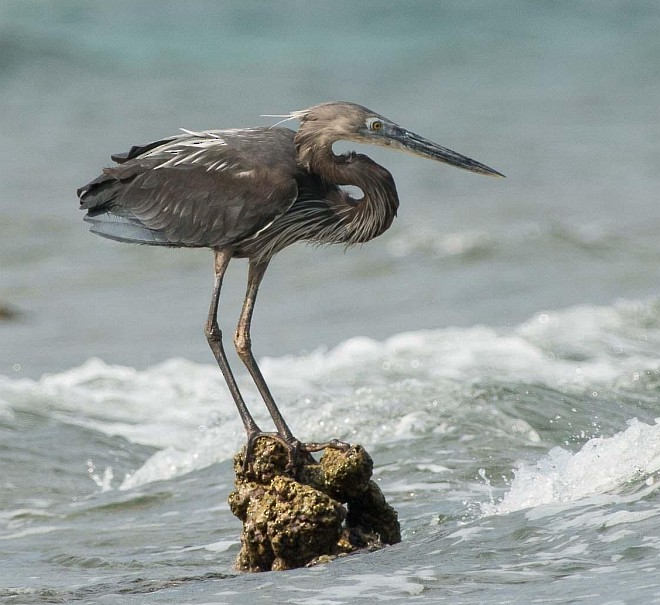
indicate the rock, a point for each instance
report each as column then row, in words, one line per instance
column 372, row 514
column 8, row 312
column 330, row 508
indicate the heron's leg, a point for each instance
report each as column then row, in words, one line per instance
column 214, row 336
column 243, row 344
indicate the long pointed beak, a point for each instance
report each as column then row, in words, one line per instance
column 413, row 143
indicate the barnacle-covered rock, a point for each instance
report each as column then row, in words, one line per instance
column 330, row 508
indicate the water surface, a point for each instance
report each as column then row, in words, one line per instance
column 497, row 351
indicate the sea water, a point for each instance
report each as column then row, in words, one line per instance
column 497, row 351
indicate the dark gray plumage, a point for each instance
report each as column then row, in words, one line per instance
column 250, row 193
column 208, row 189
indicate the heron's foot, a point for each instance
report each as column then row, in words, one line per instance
column 252, row 438
column 334, row 444
column 297, row 452
column 308, row 448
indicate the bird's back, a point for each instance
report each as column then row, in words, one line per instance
column 197, row 189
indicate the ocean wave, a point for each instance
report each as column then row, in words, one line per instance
column 596, row 364
column 422, row 239
column 628, row 460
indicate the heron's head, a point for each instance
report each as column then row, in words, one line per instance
column 329, row 122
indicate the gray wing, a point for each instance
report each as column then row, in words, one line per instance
column 206, row 189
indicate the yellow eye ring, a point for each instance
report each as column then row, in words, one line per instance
column 376, row 125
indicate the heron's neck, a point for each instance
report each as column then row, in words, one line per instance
column 369, row 216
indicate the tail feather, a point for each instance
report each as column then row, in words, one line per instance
column 108, row 218
column 124, row 229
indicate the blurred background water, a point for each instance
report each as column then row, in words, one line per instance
column 506, row 374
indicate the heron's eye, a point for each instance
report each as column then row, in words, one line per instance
column 376, row 125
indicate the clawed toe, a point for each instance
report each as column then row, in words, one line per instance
column 252, row 441
column 334, row 444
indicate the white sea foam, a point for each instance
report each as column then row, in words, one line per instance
column 410, row 385
column 602, row 465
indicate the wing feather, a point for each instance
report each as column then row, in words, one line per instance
column 209, row 189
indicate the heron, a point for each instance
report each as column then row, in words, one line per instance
column 249, row 193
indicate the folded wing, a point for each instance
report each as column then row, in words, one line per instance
column 198, row 189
